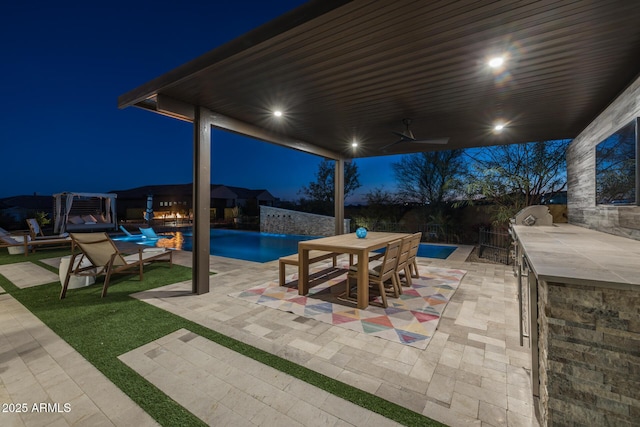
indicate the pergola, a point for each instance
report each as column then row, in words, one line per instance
column 352, row 71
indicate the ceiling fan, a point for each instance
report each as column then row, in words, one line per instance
column 407, row 136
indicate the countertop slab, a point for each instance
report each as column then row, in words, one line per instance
column 570, row 254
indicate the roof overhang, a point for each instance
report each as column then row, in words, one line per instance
column 344, row 71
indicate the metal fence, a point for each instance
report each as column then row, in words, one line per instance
column 431, row 232
column 494, row 245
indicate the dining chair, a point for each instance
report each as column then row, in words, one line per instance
column 381, row 272
column 403, row 262
column 412, row 264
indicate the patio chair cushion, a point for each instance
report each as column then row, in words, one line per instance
column 89, row 219
column 75, row 220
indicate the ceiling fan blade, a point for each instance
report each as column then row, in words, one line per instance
column 435, row 141
column 407, row 136
column 403, row 136
column 392, row 144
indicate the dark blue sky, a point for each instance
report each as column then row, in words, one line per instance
column 64, row 64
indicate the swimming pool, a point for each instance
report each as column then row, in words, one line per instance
column 245, row 245
column 254, row 246
column 428, row 250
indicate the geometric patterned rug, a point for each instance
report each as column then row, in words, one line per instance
column 410, row 319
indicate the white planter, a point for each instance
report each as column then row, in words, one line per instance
column 15, row 250
column 74, row 281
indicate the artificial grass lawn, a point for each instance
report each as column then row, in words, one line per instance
column 101, row 329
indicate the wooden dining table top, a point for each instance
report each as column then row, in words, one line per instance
column 348, row 243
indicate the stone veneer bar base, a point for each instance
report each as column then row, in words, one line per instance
column 589, row 346
column 585, row 325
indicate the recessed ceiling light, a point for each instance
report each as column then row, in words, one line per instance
column 354, row 144
column 496, row 62
column 277, row 113
column 498, row 127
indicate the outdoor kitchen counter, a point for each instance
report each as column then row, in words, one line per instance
column 570, row 254
column 584, row 324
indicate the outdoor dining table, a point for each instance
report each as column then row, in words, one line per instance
column 345, row 244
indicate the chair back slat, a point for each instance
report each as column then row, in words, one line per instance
column 405, row 251
column 390, row 261
column 414, row 245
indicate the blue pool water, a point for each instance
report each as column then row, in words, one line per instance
column 245, row 245
column 254, row 246
column 435, row 251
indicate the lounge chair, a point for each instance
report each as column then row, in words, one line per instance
column 37, row 233
column 125, row 231
column 14, row 241
column 149, row 233
column 24, row 240
column 105, row 258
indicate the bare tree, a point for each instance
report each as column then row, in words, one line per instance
column 321, row 193
column 517, row 175
column 430, row 177
column 382, row 207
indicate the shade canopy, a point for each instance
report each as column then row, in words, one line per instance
column 345, row 71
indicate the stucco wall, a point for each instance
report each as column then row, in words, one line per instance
column 284, row 221
column 581, row 173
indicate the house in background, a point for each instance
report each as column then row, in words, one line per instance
column 176, row 200
column 225, row 197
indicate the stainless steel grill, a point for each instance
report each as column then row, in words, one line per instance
column 534, row 215
column 531, row 216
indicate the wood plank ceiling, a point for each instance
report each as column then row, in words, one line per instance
column 353, row 70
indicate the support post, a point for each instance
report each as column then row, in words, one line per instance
column 338, row 182
column 201, row 199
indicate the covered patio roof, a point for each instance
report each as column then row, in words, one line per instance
column 344, row 71
column 352, row 71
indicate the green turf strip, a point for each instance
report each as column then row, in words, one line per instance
column 101, row 329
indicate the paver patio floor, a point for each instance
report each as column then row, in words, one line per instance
column 473, row 372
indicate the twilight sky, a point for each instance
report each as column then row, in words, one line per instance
column 64, row 64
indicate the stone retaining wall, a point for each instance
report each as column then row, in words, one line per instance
column 284, row 221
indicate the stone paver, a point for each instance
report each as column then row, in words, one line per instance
column 190, row 369
column 27, row 274
column 45, row 382
column 464, row 376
